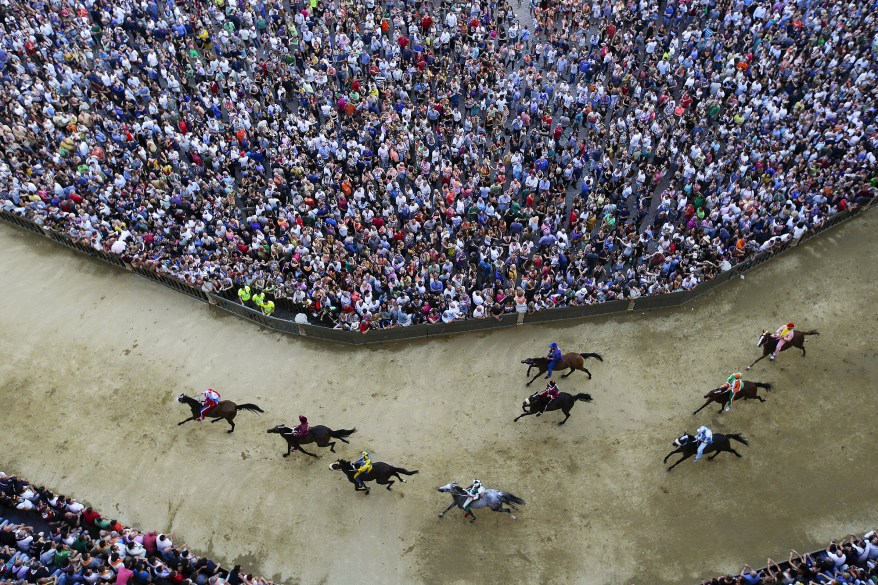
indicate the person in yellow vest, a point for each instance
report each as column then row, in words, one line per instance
column 259, row 298
column 268, row 307
column 244, row 294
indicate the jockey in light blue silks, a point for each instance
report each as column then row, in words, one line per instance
column 211, row 399
column 554, row 357
column 704, row 436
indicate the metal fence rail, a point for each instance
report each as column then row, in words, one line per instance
column 230, row 305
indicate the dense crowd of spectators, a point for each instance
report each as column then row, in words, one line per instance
column 849, row 562
column 386, row 162
column 78, row 546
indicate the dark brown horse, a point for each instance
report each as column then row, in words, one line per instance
column 224, row 410
column 536, row 404
column 721, row 395
column 768, row 342
column 688, row 446
column 571, row 361
column 317, row 434
column 380, row 473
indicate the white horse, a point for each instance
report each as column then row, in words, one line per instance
column 494, row 499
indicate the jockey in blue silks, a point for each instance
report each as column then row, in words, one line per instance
column 554, row 358
column 704, row 436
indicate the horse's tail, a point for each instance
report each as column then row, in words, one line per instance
column 767, row 385
column 342, row 433
column 511, row 498
column 738, row 437
column 812, row 332
column 250, row 407
column 402, row 471
column 582, row 396
column 596, row 356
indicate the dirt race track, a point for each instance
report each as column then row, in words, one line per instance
column 93, row 359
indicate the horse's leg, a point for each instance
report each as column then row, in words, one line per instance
column 803, row 350
column 566, row 412
column 231, row 422
column 193, row 417
column 390, row 483
column 668, row 456
column 572, row 369
column 583, row 369
column 761, row 399
column 445, row 511
column 289, row 449
column 215, row 419
column 306, row 452
column 521, row 415
column 331, row 446
column 682, row 459
column 764, row 355
column 703, row 406
column 732, row 450
column 539, row 373
column 508, row 511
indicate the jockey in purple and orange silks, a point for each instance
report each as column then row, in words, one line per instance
column 554, row 358
column 784, row 335
column 211, row 399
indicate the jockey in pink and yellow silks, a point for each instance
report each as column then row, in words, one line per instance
column 211, row 399
column 734, row 383
column 784, row 335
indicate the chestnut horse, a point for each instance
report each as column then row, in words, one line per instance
column 224, row 410
column 768, row 342
column 748, row 391
column 571, row 361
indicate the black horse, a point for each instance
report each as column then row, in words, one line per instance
column 536, row 404
column 380, row 473
column 688, row 446
column 571, row 361
column 317, row 434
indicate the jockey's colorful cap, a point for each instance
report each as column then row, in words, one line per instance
column 790, row 325
column 553, row 345
column 303, row 419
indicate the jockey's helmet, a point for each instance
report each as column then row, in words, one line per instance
column 554, row 345
column 302, row 419
column 477, row 483
column 365, row 454
column 791, row 326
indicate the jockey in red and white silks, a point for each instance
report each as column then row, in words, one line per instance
column 211, row 399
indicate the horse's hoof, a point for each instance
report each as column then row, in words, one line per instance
column 441, row 516
column 286, row 455
column 230, row 431
column 561, row 423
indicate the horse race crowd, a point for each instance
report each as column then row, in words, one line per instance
column 388, row 162
column 78, row 546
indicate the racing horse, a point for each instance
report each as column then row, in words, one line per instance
column 225, row 409
column 748, row 391
column 688, row 446
column 571, row 361
column 536, row 404
column 380, row 473
column 317, row 434
column 768, row 342
column 494, row 499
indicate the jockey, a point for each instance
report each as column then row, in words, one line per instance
column 301, row 429
column 554, row 357
column 735, row 384
column 551, row 391
column 784, row 335
column 474, row 492
column 210, row 399
column 704, row 437
column 362, row 465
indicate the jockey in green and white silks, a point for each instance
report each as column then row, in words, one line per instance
column 474, row 491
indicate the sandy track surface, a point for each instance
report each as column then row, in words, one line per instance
column 93, row 359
